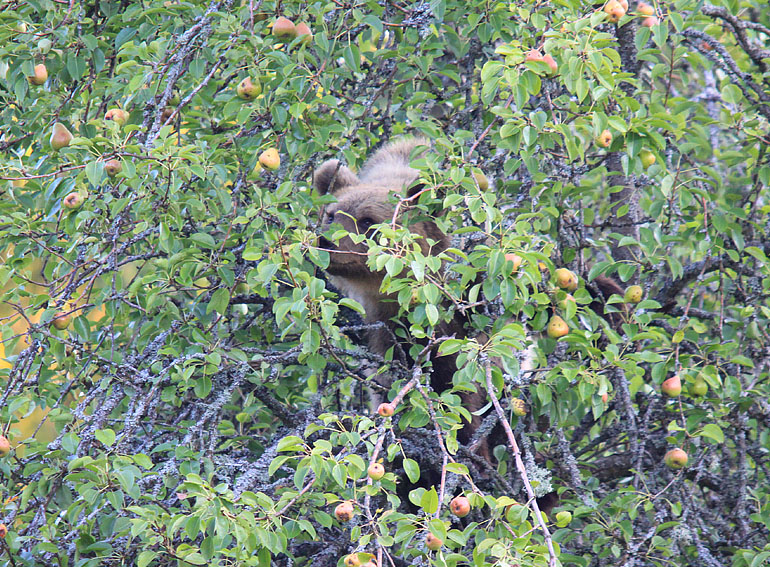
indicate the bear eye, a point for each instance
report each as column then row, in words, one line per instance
column 365, row 223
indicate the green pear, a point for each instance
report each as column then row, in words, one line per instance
column 675, row 458
column 647, row 157
column 113, row 167
column 60, row 136
column 44, row 45
column 633, row 294
column 563, row 518
column 482, row 180
column 61, row 321
column 248, row 89
column 557, row 327
column 700, row 387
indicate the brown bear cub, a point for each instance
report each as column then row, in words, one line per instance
column 364, row 200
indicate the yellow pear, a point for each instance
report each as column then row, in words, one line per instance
column 270, row 159
column 645, row 9
column 614, row 10
column 604, row 139
column 284, row 28
column 566, row 279
column 533, row 55
column 73, row 200
column 376, row 471
column 460, row 506
column 672, row 387
column 303, row 32
column 40, row 75
column 344, row 511
column 386, row 409
column 433, row 543
column 516, row 259
column 5, row 446
column 557, row 327
column 675, row 459
column 633, row 294
column 552, row 64
column 60, row 136
column 117, row 115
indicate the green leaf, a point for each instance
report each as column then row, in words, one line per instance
column 94, row 172
column 203, row 239
column 437, row 527
column 220, row 299
column 714, row 432
column 290, row 443
column 252, row 254
column 145, row 558
column 105, row 436
column 457, row 468
column 412, row 470
column 429, row 501
column 340, row 474
column 432, row 313
column 352, row 304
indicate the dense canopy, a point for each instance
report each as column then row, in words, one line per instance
column 182, row 384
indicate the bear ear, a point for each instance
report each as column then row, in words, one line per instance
column 333, row 176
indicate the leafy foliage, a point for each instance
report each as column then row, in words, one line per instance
column 207, row 403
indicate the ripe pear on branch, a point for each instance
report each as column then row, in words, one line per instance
column 60, row 136
column 39, row 75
